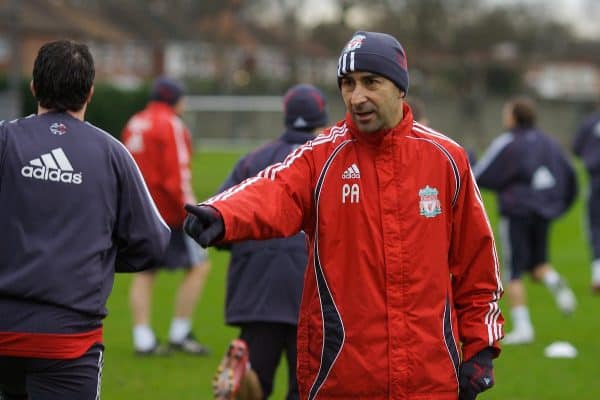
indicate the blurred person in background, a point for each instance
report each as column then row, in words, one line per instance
column 264, row 283
column 536, row 184
column 66, row 229
column 161, row 145
column 587, row 146
column 400, row 298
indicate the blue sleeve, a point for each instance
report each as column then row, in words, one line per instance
column 2, row 148
column 142, row 235
column 239, row 173
column 498, row 166
column 572, row 186
column 580, row 138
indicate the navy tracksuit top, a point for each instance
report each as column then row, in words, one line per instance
column 265, row 278
column 530, row 172
column 587, row 146
column 74, row 210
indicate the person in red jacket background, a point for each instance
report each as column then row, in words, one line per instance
column 161, row 145
column 400, row 296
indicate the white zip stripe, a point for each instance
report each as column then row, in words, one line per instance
column 491, row 318
column 61, row 159
column 137, row 169
column 428, row 131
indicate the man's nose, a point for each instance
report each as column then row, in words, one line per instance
column 358, row 95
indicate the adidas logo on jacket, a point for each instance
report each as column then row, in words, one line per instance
column 54, row 167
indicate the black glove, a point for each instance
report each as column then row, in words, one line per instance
column 476, row 374
column 204, row 224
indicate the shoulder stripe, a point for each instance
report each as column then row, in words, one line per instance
column 272, row 170
column 232, row 190
column 428, row 131
column 334, row 134
column 455, row 170
column 493, row 152
column 137, row 169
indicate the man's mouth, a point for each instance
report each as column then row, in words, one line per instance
column 363, row 116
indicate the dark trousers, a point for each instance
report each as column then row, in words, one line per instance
column 525, row 243
column 24, row 378
column 267, row 341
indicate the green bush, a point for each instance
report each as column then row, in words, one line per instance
column 110, row 107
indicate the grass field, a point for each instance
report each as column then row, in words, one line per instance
column 522, row 373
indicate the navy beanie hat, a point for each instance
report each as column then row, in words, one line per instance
column 304, row 108
column 375, row 52
column 166, row 90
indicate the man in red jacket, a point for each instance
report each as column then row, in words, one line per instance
column 161, row 145
column 400, row 298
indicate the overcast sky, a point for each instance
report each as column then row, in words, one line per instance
column 583, row 15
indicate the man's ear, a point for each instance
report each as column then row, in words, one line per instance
column 31, row 88
column 89, row 97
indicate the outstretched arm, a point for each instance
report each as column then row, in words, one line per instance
column 275, row 203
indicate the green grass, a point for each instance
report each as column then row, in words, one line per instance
column 522, row 373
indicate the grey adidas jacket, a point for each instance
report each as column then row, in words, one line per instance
column 74, row 210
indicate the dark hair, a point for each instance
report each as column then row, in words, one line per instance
column 523, row 111
column 63, row 75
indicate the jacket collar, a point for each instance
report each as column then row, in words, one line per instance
column 403, row 128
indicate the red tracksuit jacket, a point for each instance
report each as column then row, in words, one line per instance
column 403, row 279
column 161, row 146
